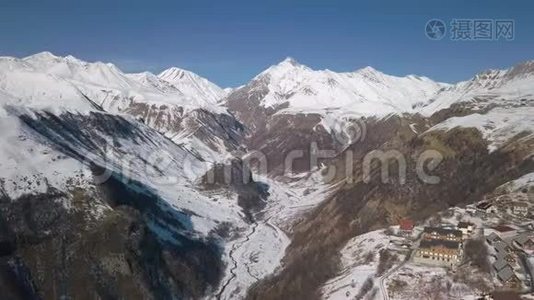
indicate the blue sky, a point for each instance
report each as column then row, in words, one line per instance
column 231, row 41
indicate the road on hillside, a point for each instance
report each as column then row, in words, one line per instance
column 383, row 278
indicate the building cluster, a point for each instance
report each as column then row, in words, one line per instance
column 507, row 266
column 440, row 247
column 520, row 208
column 512, row 204
column 504, row 261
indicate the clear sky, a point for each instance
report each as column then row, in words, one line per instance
column 231, row 41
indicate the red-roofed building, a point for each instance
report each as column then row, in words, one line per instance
column 406, row 225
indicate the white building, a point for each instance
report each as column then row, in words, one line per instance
column 466, row 228
column 520, row 208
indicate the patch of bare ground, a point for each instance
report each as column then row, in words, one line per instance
column 472, row 278
column 476, row 254
column 385, row 262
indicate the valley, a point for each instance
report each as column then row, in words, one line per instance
column 168, row 186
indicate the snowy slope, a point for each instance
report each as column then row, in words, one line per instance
column 63, row 98
column 29, row 164
column 45, row 79
column 359, row 261
column 497, row 126
column 68, row 143
column 47, row 82
column 31, row 88
column 513, row 86
column 59, row 116
column 112, row 89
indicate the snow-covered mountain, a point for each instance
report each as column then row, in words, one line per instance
column 193, row 85
column 52, row 78
column 66, row 122
column 296, row 88
column 90, row 167
column 508, row 87
column 184, row 108
column 498, row 103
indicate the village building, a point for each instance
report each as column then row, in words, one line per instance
column 502, row 247
column 493, row 238
column 507, row 276
column 505, row 231
column 486, row 207
column 470, row 210
column 500, row 264
column 466, row 228
column 438, row 233
column 525, row 241
column 442, row 253
column 520, row 208
column 406, row 226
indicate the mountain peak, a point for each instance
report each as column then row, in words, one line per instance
column 369, row 71
column 192, row 84
column 290, row 61
column 45, row 55
column 287, row 66
column 174, row 73
column 524, row 69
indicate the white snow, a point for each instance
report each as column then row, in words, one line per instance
column 260, row 249
column 365, row 91
column 526, row 180
column 492, row 87
column 32, row 166
column 45, row 79
column 497, row 126
column 355, row 267
column 193, row 85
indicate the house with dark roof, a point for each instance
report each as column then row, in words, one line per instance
column 502, row 248
column 438, row 233
column 523, row 238
column 500, row 264
column 525, row 241
column 504, row 229
column 508, row 277
column 504, row 295
column 505, row 274
column 486, row 207
column 466, row 228
column 493, row 238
